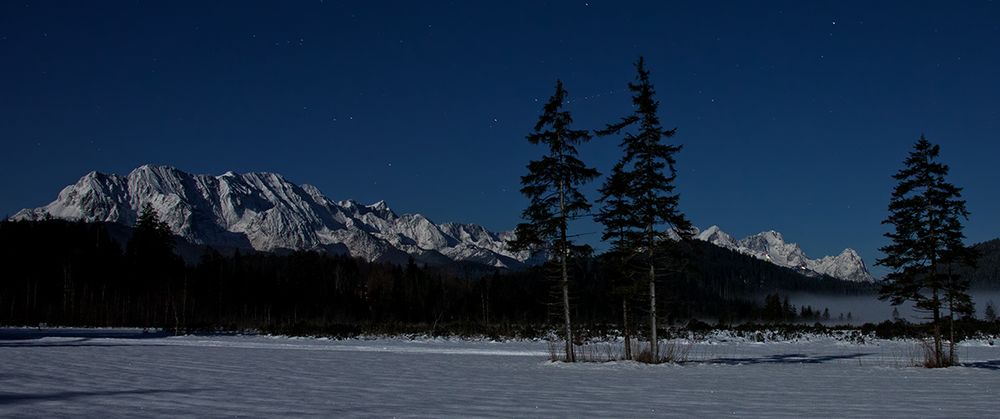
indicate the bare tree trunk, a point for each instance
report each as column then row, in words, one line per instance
column 486, row 315
column 569, row 329
column 938, row 351
column 951, row 334
column 67, row 306
column 951, row 319
column 654, row 347
column 564, row 252
column 628, row 336
column 177, row 318
column 184, row 303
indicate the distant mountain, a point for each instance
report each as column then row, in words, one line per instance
column 771, row 246
column 264, row 211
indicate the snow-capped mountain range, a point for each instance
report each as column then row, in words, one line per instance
column 771, row 246
column 266, row 212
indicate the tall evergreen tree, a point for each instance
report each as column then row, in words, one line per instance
column 926, row 243
column 616, row 213
column 649, row 167
column 151, row 237
column 955, row 256
column 154, row 265
column 552, row 186
column 617, row 218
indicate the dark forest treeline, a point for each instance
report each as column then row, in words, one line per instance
column 77, row 274
column 986, row 273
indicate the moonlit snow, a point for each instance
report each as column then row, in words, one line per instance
column 123, row 374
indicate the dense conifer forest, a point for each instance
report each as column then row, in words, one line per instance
column 986, row 274
column 90, row 274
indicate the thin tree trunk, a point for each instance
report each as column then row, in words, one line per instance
column 486, row 310
column 67, row 295
column 951, row 333
column 628, row 336
column 184, row 302
column 938, row 352
column 569, row 329
column 951, row 318
column 563, row 250
column 177, row 318
column 654, row 347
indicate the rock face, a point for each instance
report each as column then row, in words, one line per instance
column 771, row 246
column 266, row 212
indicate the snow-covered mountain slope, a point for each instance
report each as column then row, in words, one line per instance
column 264, row 211
column 771, row 246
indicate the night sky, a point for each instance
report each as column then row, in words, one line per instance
column 793, row 115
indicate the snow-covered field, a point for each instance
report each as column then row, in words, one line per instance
column 99, row 373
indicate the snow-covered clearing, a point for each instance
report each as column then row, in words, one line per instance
column 123, row 373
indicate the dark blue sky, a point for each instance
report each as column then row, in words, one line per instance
column 793, row 115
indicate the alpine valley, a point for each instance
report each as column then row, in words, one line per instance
column 266, row 212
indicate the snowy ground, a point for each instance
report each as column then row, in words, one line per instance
column 124, row 373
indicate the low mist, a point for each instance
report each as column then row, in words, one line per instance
column 869, row 309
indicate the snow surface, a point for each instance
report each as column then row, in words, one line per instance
column 125, row 373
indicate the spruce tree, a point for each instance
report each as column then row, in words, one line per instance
column 649, row 166
column 154, row 265
column 151, row 237
column 616, row 216
column 925, row 247
column 552, row 187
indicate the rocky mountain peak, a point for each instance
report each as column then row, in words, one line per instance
column 265, row 211
column 771, row 246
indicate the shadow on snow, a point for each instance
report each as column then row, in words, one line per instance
column 18, row 398
column 780, row 359
column 30, row 334
column 75, row 343
column 989, row 365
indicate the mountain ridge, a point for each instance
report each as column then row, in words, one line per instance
column 771, row 246
column 264, row 211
